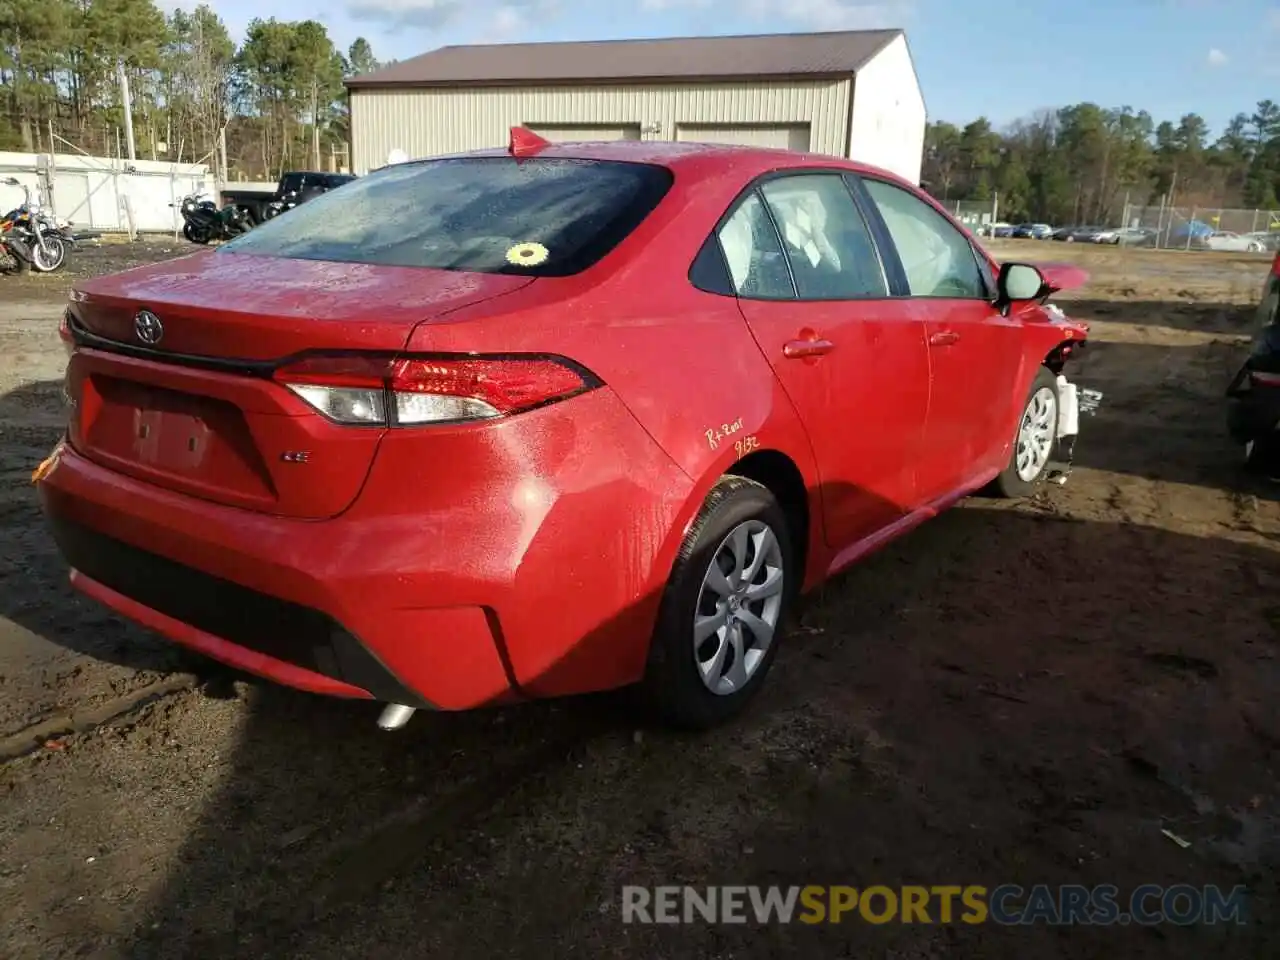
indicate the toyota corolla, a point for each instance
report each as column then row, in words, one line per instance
column 545, row 420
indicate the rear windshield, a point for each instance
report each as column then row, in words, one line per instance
column 535, row 217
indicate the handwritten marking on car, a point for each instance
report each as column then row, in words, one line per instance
column 296, row 456
column 716, row 435
column 746, row 445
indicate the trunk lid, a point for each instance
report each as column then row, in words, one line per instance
column 198, row 412
column 244, row 307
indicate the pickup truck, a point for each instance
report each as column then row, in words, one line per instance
column 297, row 186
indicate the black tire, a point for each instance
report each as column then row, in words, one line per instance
column 11, row 263
column 672, row 687
column 1262, row 457
column 1009, row 484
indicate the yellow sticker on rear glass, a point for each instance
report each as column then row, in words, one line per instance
column 527, row 255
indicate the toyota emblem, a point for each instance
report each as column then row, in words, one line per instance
column 148, row 327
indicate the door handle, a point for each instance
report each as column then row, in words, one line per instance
column 943, row 338
column 797, row 349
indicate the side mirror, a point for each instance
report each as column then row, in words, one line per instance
column 1018, row 283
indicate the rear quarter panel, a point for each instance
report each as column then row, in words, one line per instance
column 682, row 361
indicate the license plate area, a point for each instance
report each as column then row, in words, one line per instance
column 199, row 443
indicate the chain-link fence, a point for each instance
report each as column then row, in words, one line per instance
column 974, row 214
column 1200, row 228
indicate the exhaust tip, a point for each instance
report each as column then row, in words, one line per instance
column 395, row 715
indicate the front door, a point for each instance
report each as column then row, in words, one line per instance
column 973, row 351
column 853, row 362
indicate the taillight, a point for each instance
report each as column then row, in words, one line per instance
column 1275, row 266
column 383, row 390
column 1265, row 378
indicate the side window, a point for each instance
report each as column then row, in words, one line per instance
column 827, row 242
column 752, row 254
column 937, row 258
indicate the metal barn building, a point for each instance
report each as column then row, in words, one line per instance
column 851, row 94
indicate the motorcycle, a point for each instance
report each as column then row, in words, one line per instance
column 277, row 207
column 32, row 237
column 203, row 222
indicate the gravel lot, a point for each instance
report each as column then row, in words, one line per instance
column 1012, row 694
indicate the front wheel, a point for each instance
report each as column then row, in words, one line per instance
column 49, row 255
column 1034, row 442
column 722, row 612
column 10, row 262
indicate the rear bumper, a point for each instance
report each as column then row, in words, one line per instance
column 263, row 595
column 504, row 562
column 288, row 642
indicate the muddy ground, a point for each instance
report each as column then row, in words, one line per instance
column 1025, row 694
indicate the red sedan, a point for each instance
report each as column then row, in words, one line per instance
column 543, row 421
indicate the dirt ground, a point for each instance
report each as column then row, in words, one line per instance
column 1012, row 694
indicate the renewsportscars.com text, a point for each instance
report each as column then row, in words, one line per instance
column 1008, row 905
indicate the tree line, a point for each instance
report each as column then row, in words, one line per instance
column 1082, row 163
column 277, row 98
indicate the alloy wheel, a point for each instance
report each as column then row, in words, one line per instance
column 739, row 607
column 1036, row 434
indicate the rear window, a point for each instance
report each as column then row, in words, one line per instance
column 533, row 217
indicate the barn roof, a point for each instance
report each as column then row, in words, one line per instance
column 686, row 58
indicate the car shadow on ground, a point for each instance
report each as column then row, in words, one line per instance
column 1187, row 314
column 1002, row 697
column 1163, row 414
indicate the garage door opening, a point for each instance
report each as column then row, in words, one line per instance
column 564, row 133
column 788, row 136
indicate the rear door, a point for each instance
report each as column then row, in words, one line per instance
column 812, row 288
column 974, row 352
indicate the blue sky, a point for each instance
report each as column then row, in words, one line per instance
column 1001, row 58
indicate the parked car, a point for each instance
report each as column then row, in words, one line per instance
column 999, row 229
column 295, row 187
column 1033, row 231
column 1270, row 239
column 1093, row 235
column 498, row 426
column 1137, row 237
column 1253, row 395
column 1190, row 233
column 1063, row 233
column 1226, row 241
